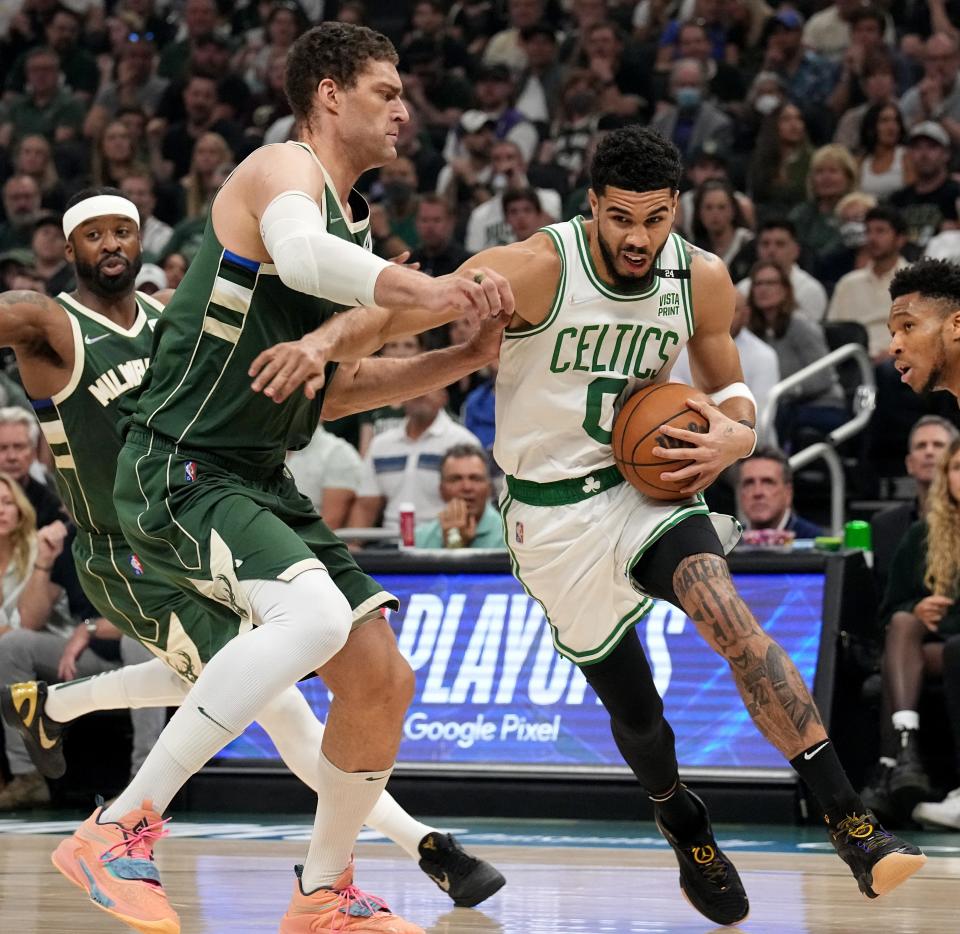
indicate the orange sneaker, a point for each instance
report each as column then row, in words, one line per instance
column 342, row 909
column 113, row 863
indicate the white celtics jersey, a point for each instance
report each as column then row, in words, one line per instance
column 561, row 383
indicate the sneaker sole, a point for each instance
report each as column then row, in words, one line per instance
column 699, row 911
column 65, row 862
column 895, row 869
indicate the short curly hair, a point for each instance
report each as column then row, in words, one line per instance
column 635, row 158
column 339, row 51
column 936, row 279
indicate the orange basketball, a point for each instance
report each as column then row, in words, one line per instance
column 636, row 432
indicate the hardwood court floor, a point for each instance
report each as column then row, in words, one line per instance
column 221, row 886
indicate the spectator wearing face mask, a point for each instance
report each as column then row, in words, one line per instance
column 692, row 120
column 851, row 212
column 487, row 225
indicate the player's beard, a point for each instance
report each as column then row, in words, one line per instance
column 625, row 283
column 109, row 287
column 936, row 372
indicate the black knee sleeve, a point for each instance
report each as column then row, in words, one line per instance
column 654, row 572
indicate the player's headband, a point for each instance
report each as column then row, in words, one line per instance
column 98, row 206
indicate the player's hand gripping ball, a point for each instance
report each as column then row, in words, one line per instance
column 636, row 432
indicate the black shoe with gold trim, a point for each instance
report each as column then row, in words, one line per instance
column 878, row 860
column 708, row 879
column 467, row 879
column 22, row 706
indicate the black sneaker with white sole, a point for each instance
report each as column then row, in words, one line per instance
column 465, row 878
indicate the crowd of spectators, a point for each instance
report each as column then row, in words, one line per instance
column 821, row 142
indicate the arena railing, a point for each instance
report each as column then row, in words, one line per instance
column 863, row 404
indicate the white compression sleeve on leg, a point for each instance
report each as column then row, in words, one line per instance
column 149, row 684
column 311, row 260
column 303, row 623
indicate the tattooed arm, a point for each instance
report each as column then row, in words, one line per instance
column 39, row 331
column 768, row 681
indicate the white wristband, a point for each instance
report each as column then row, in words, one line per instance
column 733, row 391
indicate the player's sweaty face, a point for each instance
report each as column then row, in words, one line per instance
column 917, row 342
column 375, row 112
column 632, row 227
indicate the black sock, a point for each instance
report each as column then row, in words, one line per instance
column 679, row 812
column 820, row 768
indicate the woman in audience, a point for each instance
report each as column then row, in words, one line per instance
column 718, row 223
column 114, row 155
column 34, row 157
column 174, row 267
column 209, row 153
column 833, row 174
column 18, row 549
column 285, row 22
column 778, row 171
column 818, row 403
column 885, row 165
column 919, row 612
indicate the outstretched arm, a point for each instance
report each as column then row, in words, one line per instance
column 531, row 271
column 715, row 365
column 283, row 189
column 376, row 381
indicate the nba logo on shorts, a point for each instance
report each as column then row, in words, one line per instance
column 190, row 471
column 518, row 533
column 136, row 565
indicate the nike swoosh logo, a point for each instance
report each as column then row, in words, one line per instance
column 92, row 340
column 44, row 740
column 442, row 881
column 810, row 755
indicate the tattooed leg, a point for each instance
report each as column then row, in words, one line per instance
column 768, row 681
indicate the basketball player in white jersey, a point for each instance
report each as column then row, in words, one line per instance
column 604, row 307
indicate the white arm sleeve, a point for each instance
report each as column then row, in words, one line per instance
column 308, row 259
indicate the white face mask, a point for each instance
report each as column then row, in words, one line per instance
column 766, row 104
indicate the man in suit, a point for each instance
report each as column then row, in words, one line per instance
column 765, row 493
column 692, row 119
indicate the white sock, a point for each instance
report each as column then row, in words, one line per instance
column 297, row 733
column 888, row 761
column 241, row 679
column 344, row 800
column 906, row 720
column 388, row 818
column 150, row 684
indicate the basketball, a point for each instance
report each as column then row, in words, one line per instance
column 636, row 432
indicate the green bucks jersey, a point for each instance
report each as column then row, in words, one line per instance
column 81, row 421
column 227, row 310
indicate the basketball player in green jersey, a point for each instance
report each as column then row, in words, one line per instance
column 603, row 308
column 86, row 353
column 204, row 501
